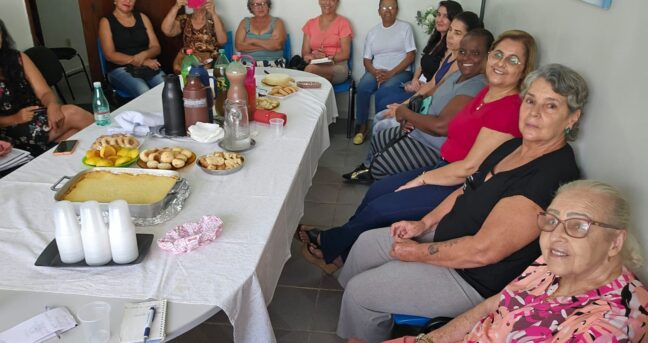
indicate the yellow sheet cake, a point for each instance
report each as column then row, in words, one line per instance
column 104, row 187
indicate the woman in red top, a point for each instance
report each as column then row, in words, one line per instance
column 489, row 120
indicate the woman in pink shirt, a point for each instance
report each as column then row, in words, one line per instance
column 328, row 36
column 579, row 290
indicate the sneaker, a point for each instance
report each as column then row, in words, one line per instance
column 348, row 175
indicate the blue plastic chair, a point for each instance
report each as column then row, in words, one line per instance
column 121, row 93
column 287, row 50
column 404, row 319
column 229, row 46
column 349, row 87
column 413, row 325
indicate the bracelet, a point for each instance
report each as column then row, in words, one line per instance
column 423, row 338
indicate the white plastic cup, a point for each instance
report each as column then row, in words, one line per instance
column 123, row 240
column 67, row 233
column 277, row 125
column 94, row 235
column 95, row 321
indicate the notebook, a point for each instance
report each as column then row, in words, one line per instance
column 321, row 60
column 134, row 322
column 41, row 327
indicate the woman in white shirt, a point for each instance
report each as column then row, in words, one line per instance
column 388, row 54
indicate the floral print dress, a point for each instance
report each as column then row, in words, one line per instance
column 615, row 312
column 32, row 136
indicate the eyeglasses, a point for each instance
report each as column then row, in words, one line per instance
column 258, row 4
column 388, row 8
column 574, row 227
column 498, row 55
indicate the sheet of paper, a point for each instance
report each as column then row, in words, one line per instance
column 40, row 327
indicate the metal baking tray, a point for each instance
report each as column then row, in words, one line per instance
column 136, row 210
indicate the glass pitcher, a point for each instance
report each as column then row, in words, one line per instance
column 237, row 126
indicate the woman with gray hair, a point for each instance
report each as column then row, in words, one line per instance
column 262, row 36
column 580, row 289
column 454, row 257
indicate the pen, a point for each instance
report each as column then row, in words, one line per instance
column 149, row 320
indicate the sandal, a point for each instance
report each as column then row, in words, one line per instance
column 328, row 268
column 312, row 234
column 358, row 138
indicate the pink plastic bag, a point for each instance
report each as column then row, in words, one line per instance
column 191, row 236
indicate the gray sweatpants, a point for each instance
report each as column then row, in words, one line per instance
column 376, row 285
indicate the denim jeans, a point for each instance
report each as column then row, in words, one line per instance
column 390, row 95
column 381, row 207
column 367, row 86
column 120, row 79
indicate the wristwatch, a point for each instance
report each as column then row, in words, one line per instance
column 423, row 338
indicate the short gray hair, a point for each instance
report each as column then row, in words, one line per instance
column 564, row 81
column 619, row 215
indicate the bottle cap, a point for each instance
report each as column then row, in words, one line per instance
column 236, row 57
column 189, row 51
column 96, row 84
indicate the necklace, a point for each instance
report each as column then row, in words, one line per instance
column 495, row 97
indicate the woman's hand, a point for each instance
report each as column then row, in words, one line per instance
column 416, row 182
column 180, row 3
column 318, row 54
column 400, row 112
column 413, row 86
column 138, row 59
column 54, row 116
column 391, row 110
column 25, row 115
column 406, row 229
column 406, row 250
column 153, row 64
column 210, row 8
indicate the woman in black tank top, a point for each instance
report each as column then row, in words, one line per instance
column 130, row 48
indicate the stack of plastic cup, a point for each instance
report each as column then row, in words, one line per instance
column 68, row 233
column 123, row 240
column 94, row 234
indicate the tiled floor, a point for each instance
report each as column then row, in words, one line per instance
column 306, row 302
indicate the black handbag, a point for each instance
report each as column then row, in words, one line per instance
column 297, row 62
column 141, row 72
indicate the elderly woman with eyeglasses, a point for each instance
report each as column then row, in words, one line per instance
column 579, row 290
column 482, row 235
column 262, row 36
column 202, row 31
column 328, row 36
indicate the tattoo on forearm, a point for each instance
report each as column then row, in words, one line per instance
column 433, row 248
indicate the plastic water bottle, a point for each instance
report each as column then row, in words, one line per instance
column 222, row 85
column 187, row 61
column 100, row 106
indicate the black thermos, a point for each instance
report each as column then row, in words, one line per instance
column 173, row 107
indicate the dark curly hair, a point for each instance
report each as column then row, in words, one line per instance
column 10, row 67
column 249, row 5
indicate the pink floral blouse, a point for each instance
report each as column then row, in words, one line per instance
column 615, row 312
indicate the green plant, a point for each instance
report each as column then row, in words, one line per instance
column 426, row 19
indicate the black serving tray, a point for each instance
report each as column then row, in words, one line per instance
column 50, row 256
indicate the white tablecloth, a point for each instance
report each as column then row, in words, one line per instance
column 260, row 205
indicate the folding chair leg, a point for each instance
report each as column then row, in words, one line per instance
column 85, row 71
column 351, row 110
column 60, row 94
column 67, row 81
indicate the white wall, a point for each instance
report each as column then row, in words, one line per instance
column 609, row 49
column 14, row 15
